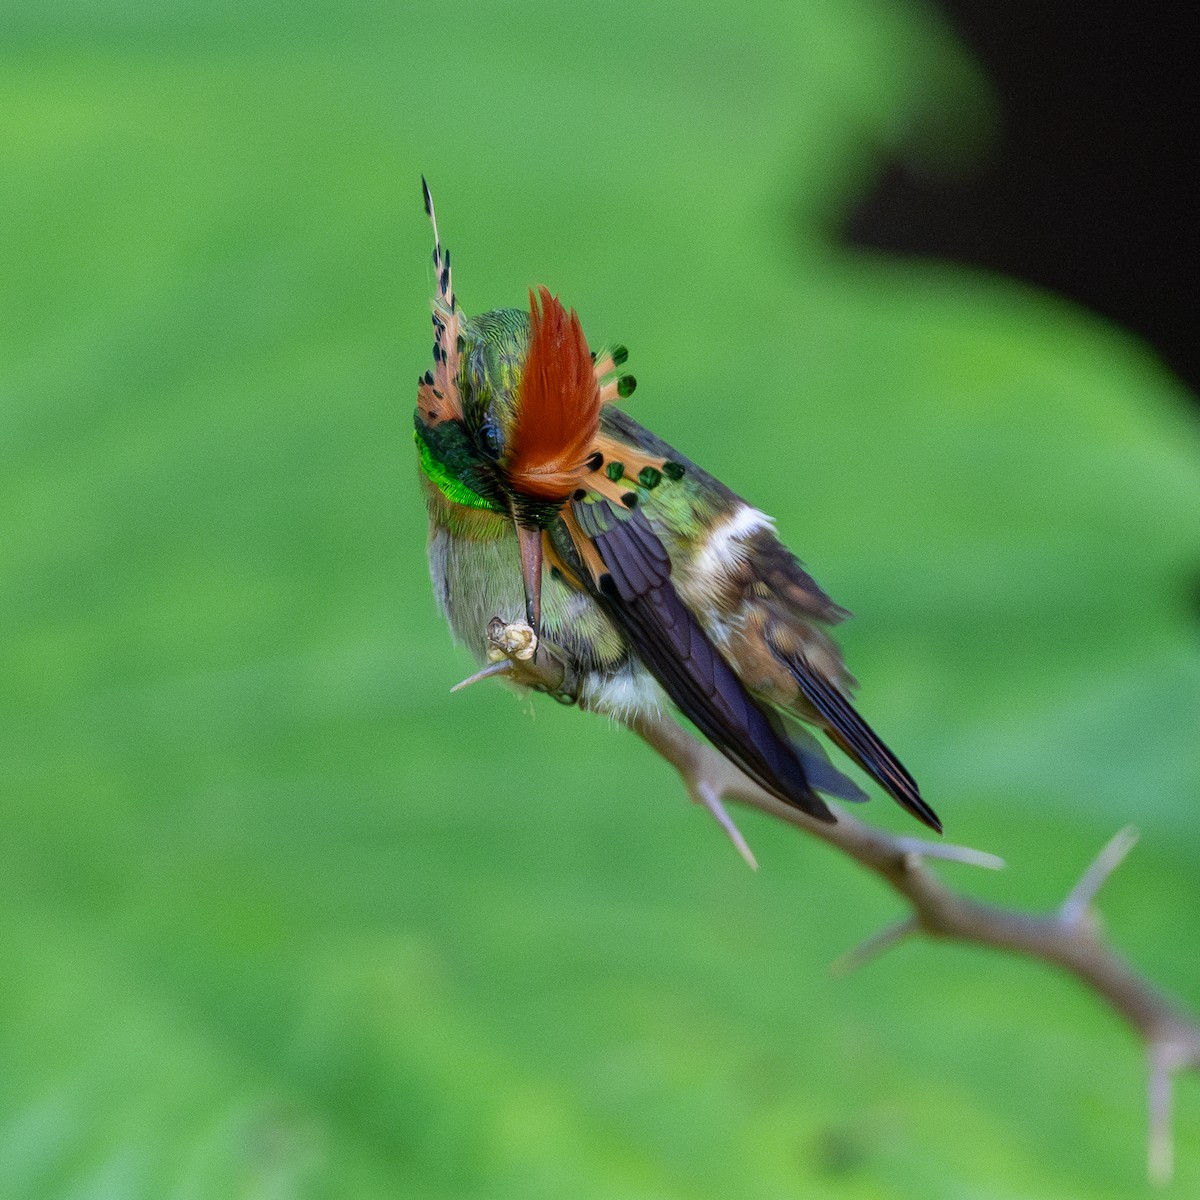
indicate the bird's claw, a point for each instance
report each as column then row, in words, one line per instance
column 510, row 652
column 515, row 653
column 512, row 641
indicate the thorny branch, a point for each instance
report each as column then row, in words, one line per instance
column 1069, row 938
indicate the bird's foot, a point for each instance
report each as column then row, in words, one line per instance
column 513, row 641
column 515, row 653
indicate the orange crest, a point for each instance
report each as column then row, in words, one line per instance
column 558, row 405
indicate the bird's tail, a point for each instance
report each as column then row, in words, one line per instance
column 854, row 736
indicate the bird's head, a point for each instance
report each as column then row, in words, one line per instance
column 513, row 413
column 509, row 417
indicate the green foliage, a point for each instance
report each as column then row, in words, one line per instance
column 280, row 917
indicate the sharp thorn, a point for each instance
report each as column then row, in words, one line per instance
column 504, row 667
column 950, row 853
column 712, row 802
column 1160, row 1142
column 1093, row 879
column 874, row 946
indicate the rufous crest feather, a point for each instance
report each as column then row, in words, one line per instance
column 558, row 405
column 557, row 446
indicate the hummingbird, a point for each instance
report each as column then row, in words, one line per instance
column 652, row 583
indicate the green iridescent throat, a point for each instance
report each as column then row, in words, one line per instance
column 452, row 488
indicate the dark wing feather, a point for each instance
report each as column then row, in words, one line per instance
column 640, row 599
column 822, row 774
column 859, row 740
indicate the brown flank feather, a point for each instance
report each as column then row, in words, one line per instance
column 558, row 406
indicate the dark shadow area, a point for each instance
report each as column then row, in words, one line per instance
column 1091, row 186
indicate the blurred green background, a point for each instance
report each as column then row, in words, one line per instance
column 279, row 917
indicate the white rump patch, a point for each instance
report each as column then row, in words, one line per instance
column 630, row 692
column 725, row 548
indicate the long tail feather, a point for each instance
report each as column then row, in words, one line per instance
column 849, row 731
column 822, row 774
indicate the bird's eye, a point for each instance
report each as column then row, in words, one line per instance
column 489, row 438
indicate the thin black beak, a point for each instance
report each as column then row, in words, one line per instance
column 530, row 543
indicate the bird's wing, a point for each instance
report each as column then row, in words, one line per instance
column 728, row 563
column 623, row 563
column 744, row 589
column 781, row 615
